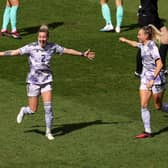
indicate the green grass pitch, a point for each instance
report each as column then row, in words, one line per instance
column 96, row 103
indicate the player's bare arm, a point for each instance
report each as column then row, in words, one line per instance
column 10, row 53
column 88, row 54
column 130, row 42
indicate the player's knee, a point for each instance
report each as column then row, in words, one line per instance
column 144, row 105
column 103, row 1
column 157, row 106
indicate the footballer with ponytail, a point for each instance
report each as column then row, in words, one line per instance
column 152, row 80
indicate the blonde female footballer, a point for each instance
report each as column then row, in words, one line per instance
column 39, row 78
column 152, row 79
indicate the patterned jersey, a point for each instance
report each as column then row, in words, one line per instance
column 150, row 54
column 39, row 61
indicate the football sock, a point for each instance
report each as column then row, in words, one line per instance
column 27, row 110
column 48, row 114
column 145, row 114
column 48, row 130
column 13, row 15
column 106, row 13
column 6, row 18
column 119, row 15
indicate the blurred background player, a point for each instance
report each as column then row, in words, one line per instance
column 10, row 16
column 148, row 14
column 39, row 78
column 153, row 79
column 107, row 15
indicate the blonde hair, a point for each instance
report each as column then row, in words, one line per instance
column 44, row 28
column 156, row 34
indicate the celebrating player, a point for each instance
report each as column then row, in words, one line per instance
column 39, row 78
column 107, row 15
column 148, row 14
column 10, row 15
column 152, row 78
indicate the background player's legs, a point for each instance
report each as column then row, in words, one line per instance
column 164, row 45
column 119, row 15
column 163, row 53
column 13, row 15
column 106, row 15
column 6, row 17
column 13, row 18
column 138, row 64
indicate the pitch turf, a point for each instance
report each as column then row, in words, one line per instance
column 96, row 103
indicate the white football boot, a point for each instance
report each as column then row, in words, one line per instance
column 107, row 28
column 20, row 115
column 117, row 29
column 49, row 136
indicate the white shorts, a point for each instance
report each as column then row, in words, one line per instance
column 36, row 90
column 155, row 88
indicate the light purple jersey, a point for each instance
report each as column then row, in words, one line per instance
column 39, row 61
column 150, row 54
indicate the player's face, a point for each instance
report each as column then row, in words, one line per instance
column 142, row 37
column 42, row 39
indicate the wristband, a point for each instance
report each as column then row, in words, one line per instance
column 82, row 54
column 7, row 53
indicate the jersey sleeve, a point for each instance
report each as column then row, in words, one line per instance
column 24, row 50
column 155, row 53
column 139, row 45
column 59, row 49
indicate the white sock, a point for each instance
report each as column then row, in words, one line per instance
column 48, row 130
column 27, row 110
column 145, row 114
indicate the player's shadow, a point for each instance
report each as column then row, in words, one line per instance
column 160, row 131
column 135, row 26
column 163, row 130
column 68, row 128
column 129, row 27
column 34, row 29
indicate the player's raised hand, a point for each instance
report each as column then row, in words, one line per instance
column 89, row 54
column 122, row 39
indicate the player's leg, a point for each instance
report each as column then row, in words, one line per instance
column 47, row 101
column 13, row 18
column 6, row 18
column 33, row 92
column 138, row 64
column 163, row 49
column 30, row 109
column 145, row 96
column 106, row 15
column 119, row 15
column 157, row 98
column 158, row 94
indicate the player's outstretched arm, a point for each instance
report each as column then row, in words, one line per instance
column 130, row 42
column 10, row 53
column 88, row 54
